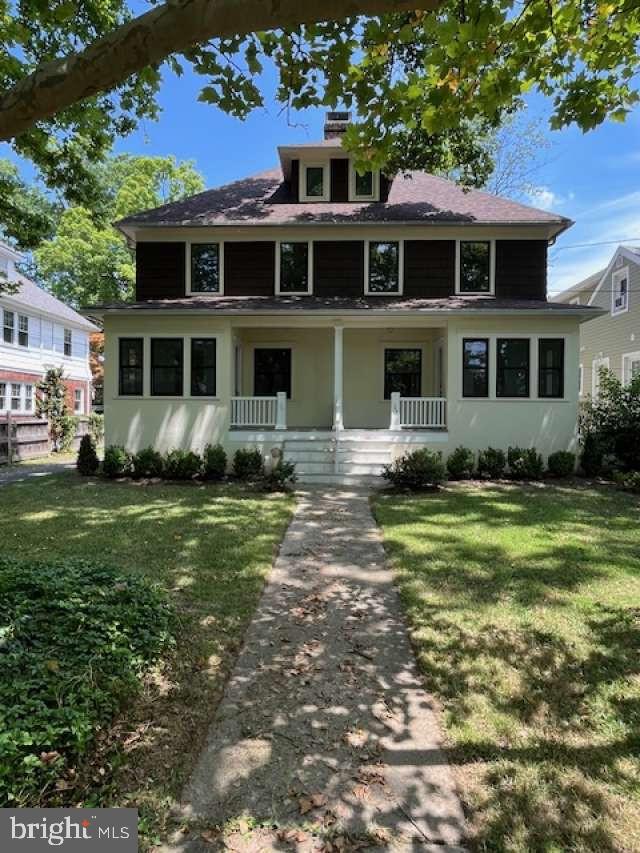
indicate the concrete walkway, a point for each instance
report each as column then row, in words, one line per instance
column 325, row 726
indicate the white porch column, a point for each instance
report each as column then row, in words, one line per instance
column 338, row 422
column 281, row 410
column 395, row 410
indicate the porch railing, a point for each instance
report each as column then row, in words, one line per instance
column 259, row 411
column 425, row 412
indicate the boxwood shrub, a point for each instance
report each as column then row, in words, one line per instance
column 214, row 462
column 525, row 463
column 147, row 463
column 75, row 641
column 491, row 463
column 418, row 470
column 562, row 463
column 117, row 462
column 181, row 465
column 460, row 463
column 248, row 464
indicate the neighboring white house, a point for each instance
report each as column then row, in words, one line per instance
column 38, row 332
column 611, row 340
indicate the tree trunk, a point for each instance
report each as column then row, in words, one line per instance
column 150, row 38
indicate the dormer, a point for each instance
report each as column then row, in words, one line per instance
column 324, row 172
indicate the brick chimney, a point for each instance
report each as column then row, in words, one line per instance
column 335, row 124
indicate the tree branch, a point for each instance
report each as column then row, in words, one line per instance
column 170, row 28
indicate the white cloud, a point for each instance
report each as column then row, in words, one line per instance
column 544, row 198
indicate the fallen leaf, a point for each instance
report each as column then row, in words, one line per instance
column 48, row 757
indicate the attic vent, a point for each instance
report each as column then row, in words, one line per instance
column 335, row 124
column 619, row 260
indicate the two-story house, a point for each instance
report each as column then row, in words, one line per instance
column 341, row 317
column 611, row 340
column 38, row 332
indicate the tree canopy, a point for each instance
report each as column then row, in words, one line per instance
column 76, row 75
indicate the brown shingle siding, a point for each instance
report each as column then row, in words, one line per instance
column 339, row 179
column 338, row 268
column 429, row 268
column 160, row 270
column 521, row 269
column 249, row 268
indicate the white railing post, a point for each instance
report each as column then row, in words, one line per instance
column 281, row 410
column 338, row 422
column 395, row 410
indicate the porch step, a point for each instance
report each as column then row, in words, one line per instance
column 340, row 480
column 320, row 445
column 314, row 455
column 352, row 468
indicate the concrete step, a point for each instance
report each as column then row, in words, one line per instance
column 364, row 457
column 320, row 444
column 314, row 467
column 340, row 480
column 353, row 468
column 314, row 455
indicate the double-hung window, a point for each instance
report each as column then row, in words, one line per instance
column 402, row 372
column 512, row 367
column 474, row 266
column 78, row 407
column 167, row 367
column 9, row 326
column 620, row 291
column 203, row 367
column 551, row 367
column 28, row 398
column 68, row 342
column 383, row 267
column 23, row 330
column 16, row 397
column 475, row 367
column 272, row 371
column 314, row 182
column 205, row 268
column 293, row 270
column 130, row 367
column 3, row 396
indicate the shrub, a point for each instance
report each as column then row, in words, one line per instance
column 418, row 470
column 117, row 462
column 76, row 639
column 67, row 428
column 525, row 463
column 460, row 463
column 491, row 463
column 214, row 462
column 562, row 463
column 248, row 464
column 96, row 426
column 87, row 462
column 630, row 481
column 182, row 465
column 281, row 476
column 592, row 456
column 147, row 463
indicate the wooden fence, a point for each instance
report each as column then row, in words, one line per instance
column 26, row 438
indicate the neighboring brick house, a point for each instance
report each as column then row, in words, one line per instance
column 341, row 318
column 38, row 332
column 611, row 340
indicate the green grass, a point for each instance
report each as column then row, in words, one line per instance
column 524, row 607
column 211, row 548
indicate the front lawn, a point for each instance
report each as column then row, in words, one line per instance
column 524, row 605
column 210, row 548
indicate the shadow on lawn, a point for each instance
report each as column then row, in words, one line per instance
column 548, row 723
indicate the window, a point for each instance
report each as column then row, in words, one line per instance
column 203, row 367
column 68, row 342
column 205, row 268
column 364, row 184
column 15, row 397
column 3, row 396
column 475, row 367
column 512, row 367
column 620, row 291
column 23, row 330
column 131, row 360
column 28, row 398
column 293, row 275
column 167, row 367
column 597, row 365
column 551, row 367
column 272, row 371
column 314, row 182
column 9, row 326
column 630, row 367
column 402, row 372
column 383, row 268
column 78, row 406
column 475, row 266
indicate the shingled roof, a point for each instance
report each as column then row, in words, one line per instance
column 414, row 197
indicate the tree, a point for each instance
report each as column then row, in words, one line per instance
column 610, row 423
column 51, row 403
column 88, row 261
column 74, row 76
column 27, row 215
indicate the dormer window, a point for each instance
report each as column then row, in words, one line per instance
column 314, row 182
column 620, row 291
column 363, row 186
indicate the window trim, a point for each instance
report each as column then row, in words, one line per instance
column 400, row 290
column 309, row 290
column 4, row 385
column 375, row 185
column 492, row 267
column 487, row 340
column 22, row 331
column 539, row 368
column 66, row 331
column 627, row 359
column 622, row 273
column 403, row 345
column 19, row 396
column 596, row 364
column 120, row 393
column 187, row 278
column 273, row 345
column 302, row 181
column 5, row 313
column 526, row 396
column 191, row 395
column 78, row 401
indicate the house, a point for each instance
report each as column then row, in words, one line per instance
column 341, row 318
column 38, row 333
column 611, row 340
